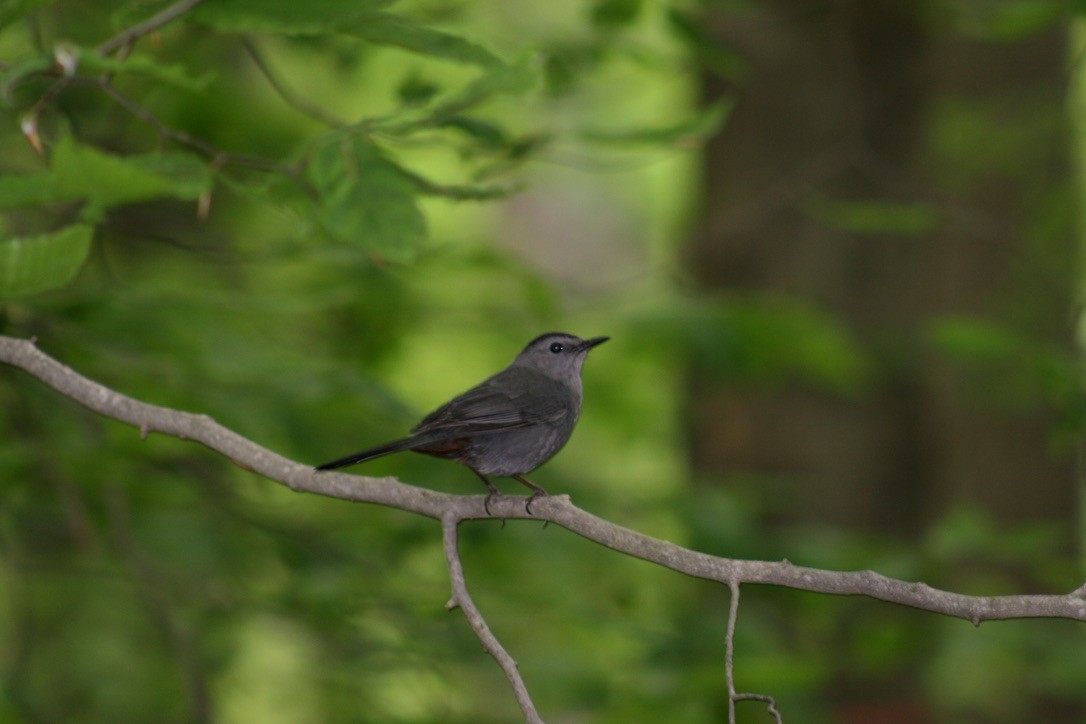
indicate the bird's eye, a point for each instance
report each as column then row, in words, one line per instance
column 557, row 347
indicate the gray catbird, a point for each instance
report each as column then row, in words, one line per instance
column 511, row 423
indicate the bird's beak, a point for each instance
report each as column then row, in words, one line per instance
column 590, row 343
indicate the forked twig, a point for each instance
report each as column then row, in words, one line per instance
column 729, row 664
column 461, row 599
column 151, row 24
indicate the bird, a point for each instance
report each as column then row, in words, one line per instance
column 507, row 425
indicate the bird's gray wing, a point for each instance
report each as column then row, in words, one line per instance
column 510, row 399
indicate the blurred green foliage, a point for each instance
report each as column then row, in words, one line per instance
column 266, row 212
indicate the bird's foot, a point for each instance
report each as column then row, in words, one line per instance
column 486, row 501
column 540, row 493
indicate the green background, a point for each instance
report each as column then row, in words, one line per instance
column 317, row 222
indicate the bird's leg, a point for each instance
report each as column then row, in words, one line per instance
column 489, row 486
column 537, row 492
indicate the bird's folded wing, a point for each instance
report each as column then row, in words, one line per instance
column 496, row 407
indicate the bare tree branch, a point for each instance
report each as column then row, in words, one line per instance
column 462, row 599
column 557, row 509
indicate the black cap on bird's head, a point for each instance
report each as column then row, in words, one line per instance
column 555, row 352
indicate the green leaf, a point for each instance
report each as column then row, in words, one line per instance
column 388, row 29
column 22, row 69
column 366, row 199
column 1012, row 21
column 615, row 14
column 765, row 340
column 977, row 339
column 710, row 51
column 462, row 192
column 689, row 132
column 415, row 90
column 360, row 18
column 874, row 217
column 1008, row 367
column 774, row 339
column 12, row 10
column 285, row 16
column 512, row 78
column 145, row 65
column 103, row 180
column 35, row 264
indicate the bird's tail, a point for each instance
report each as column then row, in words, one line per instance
column 374, row 452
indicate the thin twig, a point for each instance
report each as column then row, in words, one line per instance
column 137, row 31
column 217, row 155
column 729, row 664
column 292, row 99
column 729, row 649
column 462, row 599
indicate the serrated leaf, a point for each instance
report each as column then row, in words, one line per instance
column 394, row 30
column 102, row 180
column 285, row 16
column 366, row 199
column 33, row 264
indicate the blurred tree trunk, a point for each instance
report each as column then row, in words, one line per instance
column 883, row 101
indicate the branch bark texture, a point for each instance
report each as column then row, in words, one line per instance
column 557, row 509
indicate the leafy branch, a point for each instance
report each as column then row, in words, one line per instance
column 365, row 197
column 451, row 510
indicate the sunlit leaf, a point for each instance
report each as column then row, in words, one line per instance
column 33, row 264
column 501, row 79
column 83, row 173
column 389, row 29
column 691, row 131
column 462, row 192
